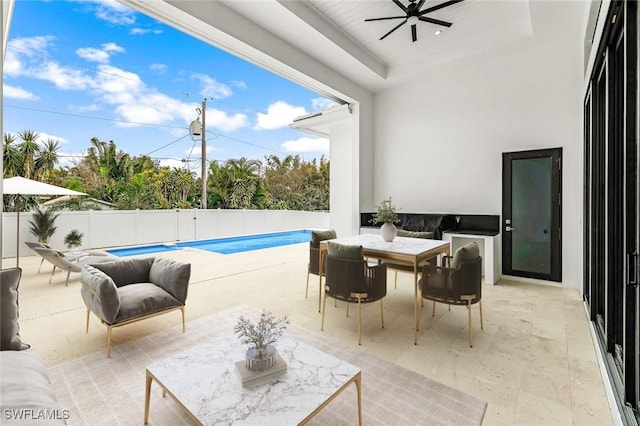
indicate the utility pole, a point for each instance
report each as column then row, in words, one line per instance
column 203, row 200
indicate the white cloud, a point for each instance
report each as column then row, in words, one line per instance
column 172, row 163
column 113, row 12
column 279, row 114
column 143, row 31
column 99, row 55
column 213, row 88
column 159, row 68
column 320, row 104
column 225, row 122
column 25, row 50
column 306, row 144
column 14, row 92
column 239, row 84
column 44, row 137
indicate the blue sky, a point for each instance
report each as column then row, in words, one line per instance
column 74, row 70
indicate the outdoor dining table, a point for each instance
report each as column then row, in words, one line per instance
column 404, row 250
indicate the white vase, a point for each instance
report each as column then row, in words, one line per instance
column 388, row 231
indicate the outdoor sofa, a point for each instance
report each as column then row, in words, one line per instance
column 26, row 394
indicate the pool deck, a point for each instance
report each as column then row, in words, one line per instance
column 534, row 362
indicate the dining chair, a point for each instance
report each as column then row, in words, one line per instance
column 459, row 282
column 403, row 267
column 314, row 257
column 351, row 280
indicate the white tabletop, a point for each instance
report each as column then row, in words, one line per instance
column 205, row 380
column 399, row 245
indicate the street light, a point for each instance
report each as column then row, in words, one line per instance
column 198, row 129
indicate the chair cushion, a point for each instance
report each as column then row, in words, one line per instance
column 413, row 234
column 345, row 251
column 127, row 271
column 100, row 293
column 317, row 236
column 171, row 276
column 467, row 252
column 9, row 281
column 137, row 300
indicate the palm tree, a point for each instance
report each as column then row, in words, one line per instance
column 12, row 160
column 29, row 147
column 42, row 225
column 47, row 157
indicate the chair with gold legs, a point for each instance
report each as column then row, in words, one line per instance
column 458, row 284
column 351, row 280
column 314, row 258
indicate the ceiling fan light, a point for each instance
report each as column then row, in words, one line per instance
column 438, row 32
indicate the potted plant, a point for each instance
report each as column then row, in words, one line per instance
column 386, row 214
column 261, row 354
column 73, row 239
column 42, row 225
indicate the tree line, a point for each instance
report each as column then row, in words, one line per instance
column 140, row 182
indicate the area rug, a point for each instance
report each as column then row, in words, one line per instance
column 110, row 391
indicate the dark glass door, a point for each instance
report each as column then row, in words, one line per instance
column 531, row 212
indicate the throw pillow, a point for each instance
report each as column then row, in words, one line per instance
column 467, row 252
column 414, row 234
column 317, row 236
column 344, row 251
column 10, row 339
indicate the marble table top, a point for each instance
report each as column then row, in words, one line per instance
column 399, row 245
column 205, row 381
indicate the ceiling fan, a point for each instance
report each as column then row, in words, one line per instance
column 414, row 14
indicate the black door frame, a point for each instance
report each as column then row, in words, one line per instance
column 556, row 213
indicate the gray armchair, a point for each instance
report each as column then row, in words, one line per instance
column 126, row 291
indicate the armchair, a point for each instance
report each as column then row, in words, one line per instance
column 314, row 257
column 127, row 291
column 458, row 284
column 351, row 280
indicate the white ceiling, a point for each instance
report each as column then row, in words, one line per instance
column 334, row 33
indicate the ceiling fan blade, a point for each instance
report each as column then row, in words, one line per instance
column 420, row 3
column 434, row 21
column 400, row 5
column 438, row 7
column 414, row 35
column 394, row 28
column 383, row 19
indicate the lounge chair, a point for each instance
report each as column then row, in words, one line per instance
column 59, row 260
column 70, row 257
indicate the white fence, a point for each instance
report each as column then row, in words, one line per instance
column 102, row 229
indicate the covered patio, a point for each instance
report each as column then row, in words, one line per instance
column 534, row 362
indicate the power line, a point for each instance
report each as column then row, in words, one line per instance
column 93, row 117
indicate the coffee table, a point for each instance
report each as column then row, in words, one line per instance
column 203, row 380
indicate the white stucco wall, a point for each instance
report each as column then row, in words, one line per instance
column 439, row 143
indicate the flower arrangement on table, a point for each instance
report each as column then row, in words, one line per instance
column 260, row 336
column 387, row 215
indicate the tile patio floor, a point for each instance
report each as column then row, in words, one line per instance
column 534, row 362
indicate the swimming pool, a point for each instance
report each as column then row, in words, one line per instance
column 228, row 245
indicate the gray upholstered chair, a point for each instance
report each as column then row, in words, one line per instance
column 314, row 257
column 458, row 283
column 126, row 291
column 403, row 267
column 61, row 261
column 351, row 280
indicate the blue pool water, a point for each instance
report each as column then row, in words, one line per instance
column 227, row 245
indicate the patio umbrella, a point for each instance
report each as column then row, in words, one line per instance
column 22, row 186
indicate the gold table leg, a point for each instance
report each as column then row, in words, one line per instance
column 147, row 397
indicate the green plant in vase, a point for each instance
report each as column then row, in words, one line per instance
column 260, row 337
column 386, row 214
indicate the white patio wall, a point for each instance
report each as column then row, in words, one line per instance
column 102, row 229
